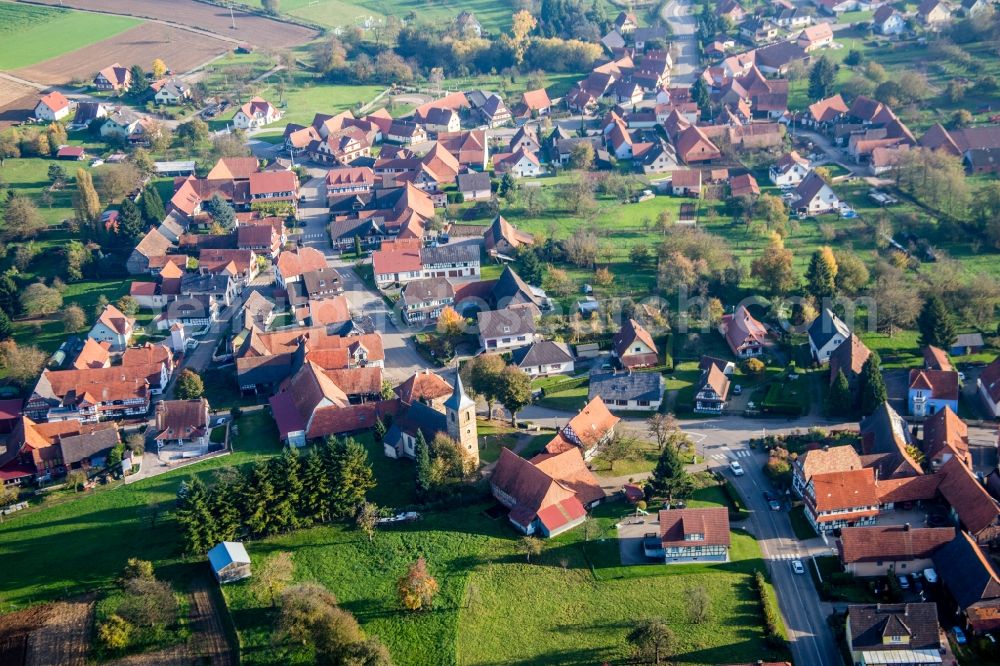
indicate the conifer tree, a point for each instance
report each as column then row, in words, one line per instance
column 287, row 487
column 259, row 500
column 840, row 401
column 193, row 516
column 224, row 504
column 935, row 324
column 130, row 226
column 669, row 476
column 351, row 477
column 424, row 472
column 315, row 488
column 821, row 274
column 152, row 205
column 873, row 392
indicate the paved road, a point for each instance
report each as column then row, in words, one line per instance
column 315, row 215
column 682, row 22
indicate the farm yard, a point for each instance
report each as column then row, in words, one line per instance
column 251, row 28
column 182, row 49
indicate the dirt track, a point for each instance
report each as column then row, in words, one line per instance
column 251, row 28
column 180, row 49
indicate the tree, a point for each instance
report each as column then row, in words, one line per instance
column 143, row 161
column 273, row 576
column 663, row 426
column 196, row 521
column 821, row 78
column 530, row 545
column 86, row 203
column 159, row 69
column 23, row 364
column 422, row 454
column 10, row 296
column 310, row 616
column 669, row 476
column 485, row 373
column 417, row 588
column 651, row 641
column 935, row 324
column 73, row 318
column 852, row 274
column 840, row 401
column 21, row 218
column 604, row 277
column 114, row 633
column 189, row 386
column 358, row 251
column 140, row 83
column 114, row 181
column 699, row 604
column 222, row 213
column 873, row 392
column 515, row 391
column 897, row 302
column 639, row 254
column 10, row 146
column 450, row 324
column 507, row 185
column 774, row 267
column 350, row 476
column 773, row 210
column 128, row 305
column 6, row 327
column 193, row 132
column 582, row 156
column 271, row 6
column 77, row 257
column 130, row 225
column 57, row 175
column 531, row 269
column 160, row 137
column 367, row 519
column 701, row 97
column 56, row 135
column 621, row 447
column 39, row 299
column 821, row 274
column 315, row 488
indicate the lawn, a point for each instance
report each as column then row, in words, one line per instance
column 32, row 34
column 800, row 524
column 71, row 543
column 29, row 176
column 493, row 437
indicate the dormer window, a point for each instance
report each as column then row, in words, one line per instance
column 694, row 536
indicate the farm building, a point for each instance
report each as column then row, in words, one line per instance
column 230, row 561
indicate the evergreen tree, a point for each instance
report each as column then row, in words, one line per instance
column 935, row 324
column 424, row 472
column 130, row 226
column 288, row 488
column 221, row 211
column 6, row 327
column 259, row 500
column 531, row 269
column 225, row 502
column 152, row 205
column 873, row 392
column 140, row 83
column 194, row 518
column 357, row 246
column 350, row 475
column 821, row 79
column 669, row 476
column 315, row 488
column 700, row 96
column 506, row 185
column 380, row 429
column 10, row 296
column 821, row 275
column 840, row 402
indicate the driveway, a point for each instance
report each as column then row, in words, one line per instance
column 678, row 16
column 631, row 531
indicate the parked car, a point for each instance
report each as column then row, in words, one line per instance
column 737, row 389
column 737, row 468
column 930, row 575
column 904, row 582
column 959, row 635
column 798, row 567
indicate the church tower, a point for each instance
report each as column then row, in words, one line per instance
column 460, row 411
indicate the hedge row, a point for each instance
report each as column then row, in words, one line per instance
column 566, row 385
column 773, row 626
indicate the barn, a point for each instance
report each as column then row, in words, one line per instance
column 230, row 561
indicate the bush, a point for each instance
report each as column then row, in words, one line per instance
column 114, row 633
column 773, row 628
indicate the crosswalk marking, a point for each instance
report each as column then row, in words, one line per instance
column 743, row 453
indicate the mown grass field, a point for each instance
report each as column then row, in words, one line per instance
column 32, row 34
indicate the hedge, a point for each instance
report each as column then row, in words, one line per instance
column 773, row 626
column 566, row 385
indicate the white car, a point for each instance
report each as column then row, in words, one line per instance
column 798, row 567
column 737, row 468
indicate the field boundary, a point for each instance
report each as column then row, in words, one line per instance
column 283, row 18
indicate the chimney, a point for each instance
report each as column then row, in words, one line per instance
column 906, row 527
column 826, row 447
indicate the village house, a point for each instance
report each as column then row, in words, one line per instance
column 95, row 394
column 744, row 185
column 546, row 495
column 972, row 507
column 945, row 436
column 814, row 196
column 686, row 183
column 426, row 409
column 815, row 37
column 592, row 427
column 628, row 390
column 849, row 358
column 841, row 499
column 423, row 299
column 293, row 263
column 93, row 354
column 711, row 390
column 114, row 77
column 494, row 112
column 437, row 119
column 502, row 237
column 256, row 113
column 826, row 112
column 888, row 21
column 744, row 334
column 988, row 387
column 931, row 391
column 793, row 17
column 39, row 451
column 690, row 535
column 822, row 461
column 693, row 145
column 405, row 133
column 882, row 634
column 520, row 164
column 887, row 550
column 397, row 262
column 534, row 103
column 934, row 14
column 347, row 181
column 789, row 170
column 507, row 328
column 474, row 186
column 634, row 347
column 182, row 422
column 968, row 575
column 543, row 358
column 113, row 327
column 52, row 107
column 171, row 91
column 826, row 333
column 466, row 23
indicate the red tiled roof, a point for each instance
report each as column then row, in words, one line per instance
column 942, row 384
column 975, row 507
column 271, row 182
column 395, row 261
column 945, row 430
column 55, row 100
column 536, row 100
column 907, row 489
column 329, row 311
column 630, row 332
column 424, row 385
column 93, row 355
column 299, row 261
column 586, row 429
column 569, row 470
column 891, row 543
column 835, row 491
column 234, row 168
column 677, row 526
column 936, row 359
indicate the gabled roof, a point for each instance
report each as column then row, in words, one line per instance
column 716, row 379
column 272, row 182
column 966, row 571
column 501, row 229
column 975, row 507
column 543, row 352
column 536, row 100
column 681, row 528
column 891, row 542
column 741, row 328
column 116, row 320
column 827, row 325
column 829, row 109
column 569, row 470
column 637, row 386
column 827, row 460
column 744, row 185
column 885, row 437
column 55, row 100
column 423, row 386
column 329, row 311
column 849, row 357
column 94, row 354
column 873, row 626
column 990, row 380
column 76, row 448
column 299, row 261
column 234, row 168
column 181, row 419
column 943, row 384
column 510, row 321
column 945, row 430
column 839, row 491
column 585, row 430
column 631, row 332
column 226, row 553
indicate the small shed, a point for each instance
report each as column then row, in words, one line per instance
column 967, row 343
column 230, row 561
